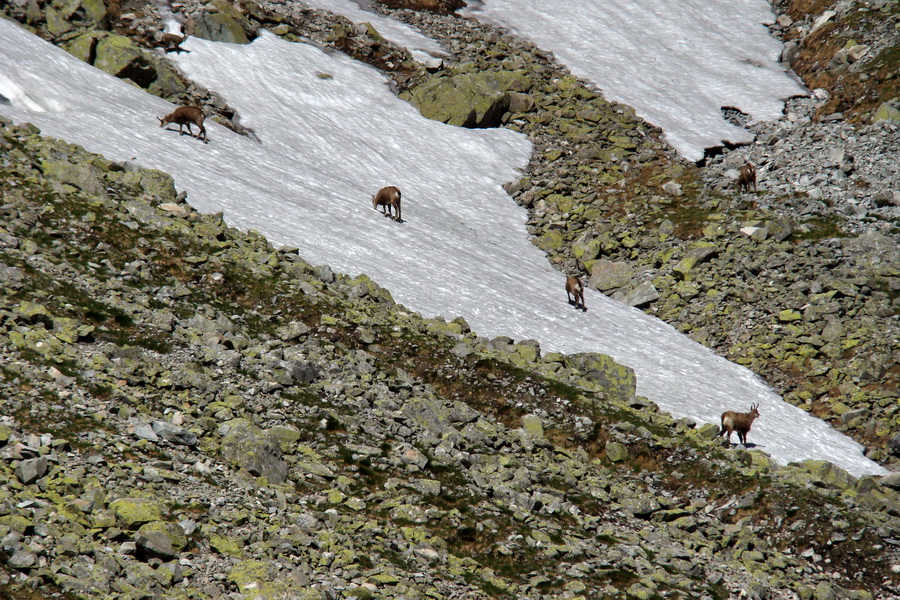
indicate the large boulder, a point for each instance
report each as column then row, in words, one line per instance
column 82, row 47
column 220, row 22
column 120, row 56
column 609, row 275
column 474, row 100
column 255, row 451
column 617, row 381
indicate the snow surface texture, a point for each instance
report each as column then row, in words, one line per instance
column 331, row 134
column 676, row 63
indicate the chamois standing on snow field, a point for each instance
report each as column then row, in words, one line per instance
column 388, row 198
column 575, row 288
column 171, row 42
column 186, row 115
column 746, row 177
column 739, row 422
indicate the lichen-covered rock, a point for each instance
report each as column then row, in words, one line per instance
column 84, row 177
column 83, row 46
column 134, row 512
column 886, row 112
column 609, row 275
column 220, row 21
column 253, row 450
column 821, row 473
column 617, row 380
column 469, row 99
column 616, row 452
column 118, row 55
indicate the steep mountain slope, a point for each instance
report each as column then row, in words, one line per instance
column 189, row 412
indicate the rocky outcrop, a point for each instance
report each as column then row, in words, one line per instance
column 220, row 21
column 476, row 100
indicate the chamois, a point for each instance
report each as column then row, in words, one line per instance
column 747, row 177
column 739, row 422
column 186, row 115
column 171, row 42
column 388, row 198
column 575, row 288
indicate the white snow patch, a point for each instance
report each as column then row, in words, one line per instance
column 676, row 63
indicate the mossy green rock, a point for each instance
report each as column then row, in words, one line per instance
column 221, row 22
column 94, row 10
column 223, row 545
column 616, row 452
column 551, row 241
column 133, row 512
column 82, row 47
column 158, row 184
column 256, row 579
column 250, row 448
column 533, row 426
column 167, row 83
column 886, row 112
column 57, row 23
column 115, row 53
column 172, row 531
column 85, row 178
column 820, row 473
column 617, row 381
column 470, row 99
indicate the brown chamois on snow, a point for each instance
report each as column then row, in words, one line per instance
column 186, row 115
column 171, row 42
column 388, row 198
column 746, row 177
column 739, row 422
column 575, row 288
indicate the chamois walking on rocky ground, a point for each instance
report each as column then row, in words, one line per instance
column 575, row 288
column 186, row 115
column 739, row 422
column 388, row 198
column 746, row 178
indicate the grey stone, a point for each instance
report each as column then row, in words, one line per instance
column 641, row 295
column 250, row 448
column 22, row 558
column 144, row 431
column 155, row 543
column 220, row 22
column 608, row 275
column 30, row 470
column 173, row 434
column 893, row 444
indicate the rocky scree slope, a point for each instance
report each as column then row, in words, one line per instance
column 189, row 412
column 798, row 281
